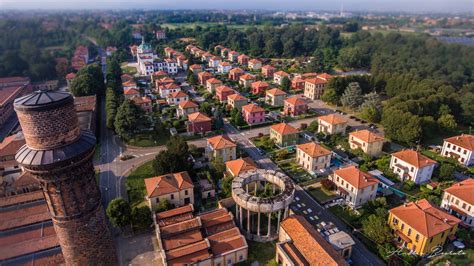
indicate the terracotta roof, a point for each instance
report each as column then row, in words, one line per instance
column 85, row 103
column 366, row 136
column 297, row 79
column 188, row 104
column 259, row 83
column 313, row 149
column 295, row 256
column 316, row 81
column 463, row 190
column 195, row 66
column 221, row 142
column 29, row 246
column 160, row 73
column 325, row 76
column 198, row 117
column 275, row 92
column 243, row 56
column 254, row 61
column 267, row 67
column 424, row 217
column 165, row 184
column 309, row 75
column 188, row 254
column 131, row 92
column 284, row 129
column 237, row 97
column 281, row 73
column 129, row 83
column 225, row 63
column 295, row 100
column 236, row 167
column 224, row 88
column 236, row 70
column 214, row 81
column 175, row 215
column 170, row 86
column 9, row 93
column 140, row 100
column 226, row 241
column 414, row 158
column 24, row 216
column 311, row 245
column 205, row 74
column 233, row 52
column 465, row 140
column 252, row 108
column 178, row 94
column 11, row 144
column 26, row 179
column 126, row 77
column 356, row 177
column 21, row 198
column 333, row 119
column 247, row 77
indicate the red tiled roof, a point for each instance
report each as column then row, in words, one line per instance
column 21, row 198
column 165, row 184
column 275, row 92
column 356, row 177
column 85, row 103
column 235, row 167
column 188, row 104
column 259, row 84
column 222, row 89
column 131, row 92
column 366, row 136
column 11, row 144
column 312, row 246
column 24, row 216
column 252, row 108
column 221, row 142
column 225, row 63
column 178, row 94
column 236, row 70
column 313, row 149
column 463, row 190
column 247, row 77
column 295, row 100
column 284, row 129
column 414, row 158
column 465, row 140
column 425, row 218
column 281, row 73
column 268, row 67
column 198, row 117
column 316, row 81
column 333, row 119
column 237, row 97
column 214, row 81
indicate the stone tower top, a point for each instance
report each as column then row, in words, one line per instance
column 48, row 119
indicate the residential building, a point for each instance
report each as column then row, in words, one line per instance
column 232, row 56
column 196, row 69
column 235, row 73
column 314, row 88
column 206, row 57
column 222, row 92
column 212, row 84
column 310, row 75
column 458, row 200
column 177, row 97
column 268, row 71
column 185, row 108
column 295, row 106
column 224, row 67
column 221, row 147
column 300, row 244
column 355, row 186
column 410, row 165
column 169, row 52
column 225, row 52
column 215, row 61
column 171, row 66
column 207, row 188
column 208, row 239
column 169, row 89
column 332, row 124
column 259, row 87
column 144, row 103
column 130, row 93
column 10, row 89
column 313, row 157
column 275, row 97
column 158, row 75
column 243, row 59
column 367, row 141
column 325, row 76
column 284, row 135
column 278, row 77
column 176, row 188
column 160, row 35
column 203, row 77
column 237, row 101
column 8, row 148
column 163, row 81
column 198, row 123
column 461, row 148
column 253, row 114
column 246, row 80
column 297, row 83
column 239, row 166
column 182, row 62
column 420, row 226
column 255, row 64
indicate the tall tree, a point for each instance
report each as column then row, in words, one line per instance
column 119, row 212
column 285, row 84
column 352, row 96
column 127, row 119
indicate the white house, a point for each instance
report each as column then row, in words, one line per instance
column 224, row 67
column 413, row 166
column 461, row 148
column 458, row 200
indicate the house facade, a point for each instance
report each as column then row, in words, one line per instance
column 295, row 106
column 212, row 84
column 223, row 92
column 458, row 200
column 177, row 97
column 278, row 77
column 224, row 67
column 253, row 114
column 259, row 87
column 332, row 124
column 203, row 77
column 369, row 142
column 176, row 188
column 314, row 88
column 168, row 89
column 237, row 101
column 198, row 123
column 284, row 135
column 255, row 64
column 235, row 73
column 144, row 103
column 275, row 97
column 246, row 80
column 355, row 186
column 268, row 71
column 313, row 157
column 243, row 59
column 410, row 165
column 185, row 108
column 221, row 147
column 461, row 148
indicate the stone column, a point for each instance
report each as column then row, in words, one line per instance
column 248, row 221
column 286, row 213
column 240, row 217
column 247, row 188
column 258, row 224
column 269, row 224
column 278, row 222
column 256, row 188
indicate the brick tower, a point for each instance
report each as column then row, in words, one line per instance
column 59, row 155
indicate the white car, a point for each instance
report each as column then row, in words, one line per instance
column 297, row 199
column 298, row 205
column 304, row 205
column 311, row 218
column 309, row 210
column 305, row 212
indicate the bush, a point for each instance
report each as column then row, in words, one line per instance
column 162, row 206
column 328, row 184
column 303, row 126
column 141, row 216
column 409, row 185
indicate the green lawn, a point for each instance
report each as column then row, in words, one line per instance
column 295, row 171
column 135, row 185
column 264, row 253
column 150, row 139
column 129, row 70
column 264, row 143
column 321, row 195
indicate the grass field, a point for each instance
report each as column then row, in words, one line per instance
column 135, row 185
column 129, row 70
column 321, row 195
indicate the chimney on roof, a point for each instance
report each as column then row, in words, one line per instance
column 445, row 220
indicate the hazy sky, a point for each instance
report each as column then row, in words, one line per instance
column 356, row 5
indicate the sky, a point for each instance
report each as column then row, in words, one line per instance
column 349, row 5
